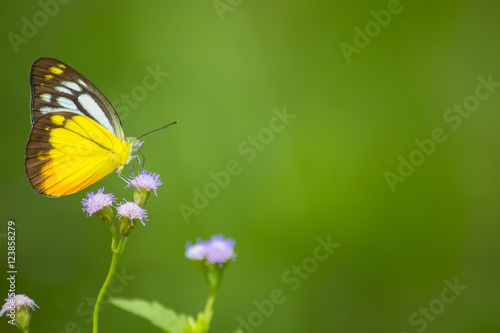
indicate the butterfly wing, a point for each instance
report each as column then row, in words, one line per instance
column 56, row 87
column 67, row 152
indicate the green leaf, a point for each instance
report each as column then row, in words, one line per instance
column 157, row 314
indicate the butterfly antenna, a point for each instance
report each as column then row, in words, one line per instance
column 175, row 122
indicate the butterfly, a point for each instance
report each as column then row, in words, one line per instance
column 76, row 137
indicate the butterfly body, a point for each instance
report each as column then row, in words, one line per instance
column 77, row 137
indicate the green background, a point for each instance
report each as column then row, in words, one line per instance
column 322, row 176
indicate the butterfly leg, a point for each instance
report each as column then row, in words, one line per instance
column 143, row 160
column 122, row 177
column 135, row 157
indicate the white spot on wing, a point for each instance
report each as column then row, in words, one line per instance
column 67, row 103
column 46, row 109
column 64, row 90
column 82, row 83
column 49, row 109
column 72, row 85
column 95, row 111
column 45, row 97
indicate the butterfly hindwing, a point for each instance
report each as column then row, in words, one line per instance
column 56, row 87
column 67, row 152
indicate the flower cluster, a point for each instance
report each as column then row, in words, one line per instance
column 132, row 211
column 217, row 250
column 94, row 202
column 142, row 184
column 145, row 180
column 100, row 204
column 127, row 211
column 15, row 302
column 211, row 258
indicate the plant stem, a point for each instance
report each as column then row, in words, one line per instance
column 114, row 261
column 113, row 237
column 208, row 309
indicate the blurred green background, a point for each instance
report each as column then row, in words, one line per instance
column 323, row 175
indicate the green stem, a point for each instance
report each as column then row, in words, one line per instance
column 114, row 261
column 113, row 237
column 208, row 309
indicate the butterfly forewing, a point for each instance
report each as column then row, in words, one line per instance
column 56, row 87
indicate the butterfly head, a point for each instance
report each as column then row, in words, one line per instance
column 136, row 143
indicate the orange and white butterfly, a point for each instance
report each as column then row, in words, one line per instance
column 77, row 137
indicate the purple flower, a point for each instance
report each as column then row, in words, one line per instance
column 220, row 250
column 94, row 202
column 132, row 211
column 196, row 251
column 16, row 302
column 216, row 250
column 145, row 180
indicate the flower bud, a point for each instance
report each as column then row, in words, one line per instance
column 17, row 308
column 129, row 212
column 212, row 258
column 100, row 204
column 143, row 183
